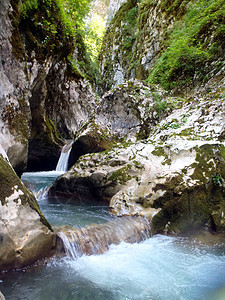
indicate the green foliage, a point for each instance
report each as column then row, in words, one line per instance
column 28, row 5
column 175, row 7
column 160, row 105
column 52, row 27
column 218, row 180
column 94, row 35
column 76, row 10
column 131, row 16
column 44, row 26
column 193, row 43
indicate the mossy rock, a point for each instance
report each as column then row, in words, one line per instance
column 9, row 180
column 190, row 209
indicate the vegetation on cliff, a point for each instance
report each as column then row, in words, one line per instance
column 196, row 40
column 52, row 28
column 172, row 43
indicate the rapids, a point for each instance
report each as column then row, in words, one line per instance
column 158, row 268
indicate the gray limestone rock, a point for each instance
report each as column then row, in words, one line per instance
column 25, row 234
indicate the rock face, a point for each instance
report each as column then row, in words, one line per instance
column 25, row 234
column 175, row 177
column 114, row 6
column 44, row 98
column 138, row 37
column 14, row 94
column 130, row 110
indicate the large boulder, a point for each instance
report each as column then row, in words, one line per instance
column 25, row 234
column 179, row 186
column 175, row 177
column 130, row 110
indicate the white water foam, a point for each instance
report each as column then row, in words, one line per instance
column 161, row 268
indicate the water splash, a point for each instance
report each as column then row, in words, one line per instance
column 97, row 238
column 62, row 164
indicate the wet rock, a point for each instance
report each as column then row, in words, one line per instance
column 97, row 238
column 25, row 234
column 174, row 177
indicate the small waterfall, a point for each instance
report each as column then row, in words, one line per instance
column 62, row 164
column 96, row 238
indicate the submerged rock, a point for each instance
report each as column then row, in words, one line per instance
column 97, row 238
column 25, row 234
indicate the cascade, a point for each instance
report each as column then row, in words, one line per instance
column 96, row 238
column 62, row 164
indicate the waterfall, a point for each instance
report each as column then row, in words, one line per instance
column 62, row 164
column 96, row 238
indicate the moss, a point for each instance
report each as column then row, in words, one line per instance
column 17, row 118
column 176, row 8
column 183, row 213
column 103, row 139
column 159, row 151
column 186, row 132
column 120, row 176
column 9, row 180
column 52, row 132
column 184, row 209
column 205, row 167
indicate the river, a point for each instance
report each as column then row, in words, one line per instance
column 159, row 268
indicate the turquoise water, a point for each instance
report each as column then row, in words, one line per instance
column 62, row 211
column 160, row 268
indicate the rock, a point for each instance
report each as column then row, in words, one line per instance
column 2, row 296
column 140, row 34
column 14, row 94
column 44, row 98
column 169, row 177
column 114, row 6
column 129, row 110
column 97, row 238
column 91, row 140
column 25, row 234
column 171, row 184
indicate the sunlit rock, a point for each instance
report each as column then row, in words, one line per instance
column 25, row 234
column 174, row 176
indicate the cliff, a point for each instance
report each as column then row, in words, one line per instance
column 177, row 44
column 44, row 94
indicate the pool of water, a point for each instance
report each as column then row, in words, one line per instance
column 159, row 268
column 62, row 211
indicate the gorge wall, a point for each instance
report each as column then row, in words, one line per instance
column 176, row 44
column 44, row 95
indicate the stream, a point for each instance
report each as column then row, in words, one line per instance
column 159, row 268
